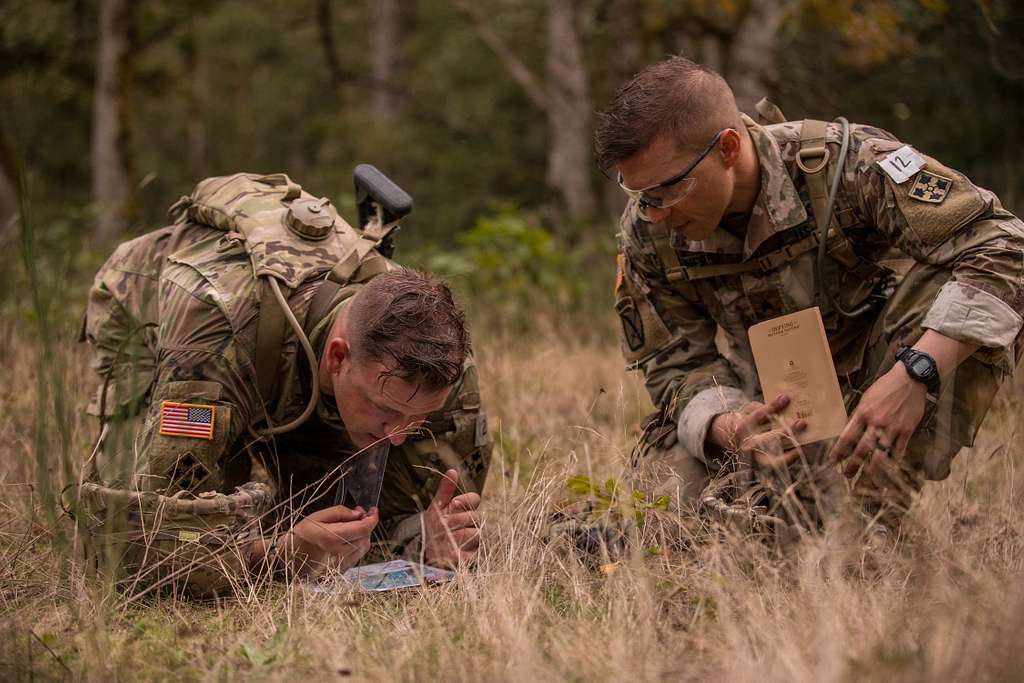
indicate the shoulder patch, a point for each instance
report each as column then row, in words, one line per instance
column 193, row 420
column 620, row 262
column 632, row 324
column 930, row 187
column 939, row 202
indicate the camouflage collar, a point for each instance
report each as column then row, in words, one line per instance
column 778, row 205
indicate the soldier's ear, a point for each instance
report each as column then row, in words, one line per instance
column 336, row 352
column 729, row 146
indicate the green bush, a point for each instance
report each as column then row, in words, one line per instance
column 508, row 263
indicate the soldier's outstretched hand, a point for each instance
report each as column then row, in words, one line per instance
column 757, row 432
column 882, row 424
column 451, row 525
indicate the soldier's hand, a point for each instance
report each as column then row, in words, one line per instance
column 451, row 525
column 336, row 538
column 880, row 428
column 758, row 432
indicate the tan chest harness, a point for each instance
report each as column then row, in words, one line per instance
column 812, row 160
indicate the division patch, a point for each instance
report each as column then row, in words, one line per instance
column 632, row 324
column 930, row 187
column 187, row 419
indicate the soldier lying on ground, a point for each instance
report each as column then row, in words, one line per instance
column 259, row 359
column 919, row 284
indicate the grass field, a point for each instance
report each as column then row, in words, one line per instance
column 948, row 604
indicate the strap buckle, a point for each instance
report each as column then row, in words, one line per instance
column 812, row 153
column 677, row 274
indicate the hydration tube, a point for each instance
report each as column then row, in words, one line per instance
column 310, row 356
column 823, row 226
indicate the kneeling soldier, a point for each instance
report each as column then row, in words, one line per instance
column 918, row 274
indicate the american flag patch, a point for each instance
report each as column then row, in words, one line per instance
column 187, row 419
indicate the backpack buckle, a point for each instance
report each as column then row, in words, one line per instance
column 812, row 153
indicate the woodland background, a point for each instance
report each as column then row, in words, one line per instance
column 483, row 111
column 112, row 109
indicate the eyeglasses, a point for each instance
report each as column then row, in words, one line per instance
column 671, row 191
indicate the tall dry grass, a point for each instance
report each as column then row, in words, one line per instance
column 947, row 604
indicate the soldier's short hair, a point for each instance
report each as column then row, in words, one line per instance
column 678, row 97
column 409, row 321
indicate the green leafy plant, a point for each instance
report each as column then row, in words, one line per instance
column 510, row 257
column 612, row 497
column 265, row 655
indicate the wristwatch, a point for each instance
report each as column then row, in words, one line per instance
column 921, row 367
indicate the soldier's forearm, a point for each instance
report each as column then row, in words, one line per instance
column 948, row 353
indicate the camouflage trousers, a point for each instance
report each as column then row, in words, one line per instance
column 811, row 490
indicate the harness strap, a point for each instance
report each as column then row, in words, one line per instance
column 812, row 159
column 662, row 240
column 766, row 263
column 323, row 301
column 768, row 111
column 356, row 258
column 269, row 339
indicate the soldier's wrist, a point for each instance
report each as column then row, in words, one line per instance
column 275, row 552
column 722, row 431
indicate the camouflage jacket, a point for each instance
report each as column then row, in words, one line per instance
column 173, row 318
column 670, row 321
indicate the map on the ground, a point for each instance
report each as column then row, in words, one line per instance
column 383, row 576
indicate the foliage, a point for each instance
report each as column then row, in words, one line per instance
column 225, row 85
column 613, row 498
column 507, row 256
column 261, row 656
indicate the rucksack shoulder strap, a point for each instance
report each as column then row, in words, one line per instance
column 269, row 340
column 812, row 160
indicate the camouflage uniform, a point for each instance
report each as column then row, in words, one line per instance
column 174, row 316
column 949, row 259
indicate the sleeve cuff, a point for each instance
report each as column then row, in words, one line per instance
column 696, row 418
column 973, row 316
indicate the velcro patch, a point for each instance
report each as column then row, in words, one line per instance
column 930, row 187
column 192, row 420
column 480, row 432
column 939, row 203
column 632, row 324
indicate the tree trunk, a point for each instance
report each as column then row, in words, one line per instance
column 197, row 89
column 111, row 177
column 328, row 46
column 569, row 112
column 386, row 47
column 9, row 191
column 625, row 61
column 751, row 60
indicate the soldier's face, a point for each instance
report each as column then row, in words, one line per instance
column 375, row 407
column 699, row 213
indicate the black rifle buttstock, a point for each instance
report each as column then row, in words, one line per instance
column 373, row 186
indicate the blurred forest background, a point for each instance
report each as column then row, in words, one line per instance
column 481, row 109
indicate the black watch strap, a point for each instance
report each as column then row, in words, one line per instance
column 921, row 367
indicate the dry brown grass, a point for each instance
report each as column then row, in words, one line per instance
column 948, row 604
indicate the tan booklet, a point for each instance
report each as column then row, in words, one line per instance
column 792, row 356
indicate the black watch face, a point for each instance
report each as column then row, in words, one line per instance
column 921, row 367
